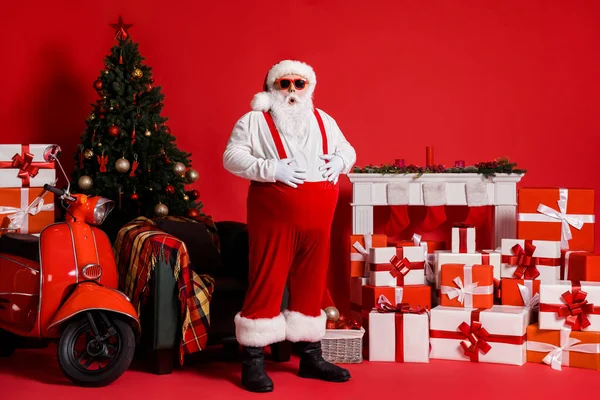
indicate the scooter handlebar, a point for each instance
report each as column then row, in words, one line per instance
column 59, row 192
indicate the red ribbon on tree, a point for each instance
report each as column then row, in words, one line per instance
column 575, row 309
column 134, row 166
column 27, row 168
column 102, row 160
column 384, row 306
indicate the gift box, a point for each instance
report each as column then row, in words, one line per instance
column 414, row 296
column 486, row 257
column 468, row 286
column 496, row 335
column 359, row 252
column 463, row 239
column 521, row 292
column 398, row 333
column 356, row 290
column 397, row 266
column 21, row 211
column 531, row 259
column 563, row 347
column 581, row 266
column 571, row 304
column 23, row 165
column 564, row 215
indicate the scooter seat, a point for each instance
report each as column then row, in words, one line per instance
column 22, row 245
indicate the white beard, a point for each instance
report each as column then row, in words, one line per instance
column 291, row 118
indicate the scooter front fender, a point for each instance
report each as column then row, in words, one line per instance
column 89, row 296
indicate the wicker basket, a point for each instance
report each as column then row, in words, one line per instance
column 343, row 345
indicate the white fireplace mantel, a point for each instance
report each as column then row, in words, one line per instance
column 369, row 190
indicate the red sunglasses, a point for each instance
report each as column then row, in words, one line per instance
column 285, row 83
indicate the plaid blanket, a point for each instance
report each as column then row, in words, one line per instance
column 139, row 246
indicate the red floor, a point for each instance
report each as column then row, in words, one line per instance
column 34, row 374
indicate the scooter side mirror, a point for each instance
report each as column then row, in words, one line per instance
column 52, row 152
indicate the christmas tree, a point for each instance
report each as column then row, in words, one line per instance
column 127, row 153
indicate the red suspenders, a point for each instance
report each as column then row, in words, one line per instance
column 277, row 137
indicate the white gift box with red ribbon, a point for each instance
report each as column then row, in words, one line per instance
column 23, row 165
column 383, row 271
column 570, row 304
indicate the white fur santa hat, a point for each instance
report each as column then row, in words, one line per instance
column 262, row 100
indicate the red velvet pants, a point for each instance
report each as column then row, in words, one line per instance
column 289, row 231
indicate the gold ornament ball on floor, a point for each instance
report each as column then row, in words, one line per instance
column 192, row 175
column 85, row 182
column 122, row 165
column 179, row 168
column 148, row 133
column 88, row 154
column 137, row 73
column 160, row 210
column 332, row 313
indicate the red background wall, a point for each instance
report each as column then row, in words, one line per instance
column 476, row 79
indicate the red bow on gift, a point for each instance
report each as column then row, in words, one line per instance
column 526, row 263
column 576, row 309
column 23, row 162
column 401, row 266
column 384, row 306
column 475, row 339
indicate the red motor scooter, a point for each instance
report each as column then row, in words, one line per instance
column 64, row 286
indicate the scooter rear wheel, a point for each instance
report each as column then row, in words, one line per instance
column 89, row 362
column 7, row 343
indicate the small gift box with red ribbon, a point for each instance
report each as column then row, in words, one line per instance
column 580, row 266
column 398, row 333
column 22, row 211
column 531, row 259
column 463, row 239
column 468, row 286
column 564, row 215
column 397, row 266
column 563, row 348
column 414, row 296
column 521, row 292
column 570, row 304
column 359, row 252
column 496, row 335
column 23, row 165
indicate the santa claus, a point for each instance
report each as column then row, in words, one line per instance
column 293, row 154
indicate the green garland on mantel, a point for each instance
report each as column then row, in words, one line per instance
column 486, row 168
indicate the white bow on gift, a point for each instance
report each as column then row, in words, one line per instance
column 465, row 291
column 530, row 302
column 559, row 355
column 547, row 214
column 18, row 215
column 429, row 275
column 363, row 252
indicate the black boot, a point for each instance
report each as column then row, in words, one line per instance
column 254, row 377
column 312, row 365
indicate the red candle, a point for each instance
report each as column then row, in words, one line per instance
column 429, row 156
column 459, row 163
column 399, row 162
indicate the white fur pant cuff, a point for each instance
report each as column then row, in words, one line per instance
column 302, row 328
column 259, row 332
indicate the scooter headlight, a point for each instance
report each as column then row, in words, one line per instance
column 102, row 209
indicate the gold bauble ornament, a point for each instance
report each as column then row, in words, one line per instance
column 332, row 313
column 92, row 116
column 104, row 97
column 192, row 175
column 85, row 182
column 122, row 165
column 186, row 197
column 137, row 73
column 161, row 210
column 111, row 108
column 147, row 133
column 88, row 154
column 179, row 168
column 99, row 144
column 106, row 72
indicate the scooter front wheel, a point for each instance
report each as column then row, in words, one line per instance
column 96, row 350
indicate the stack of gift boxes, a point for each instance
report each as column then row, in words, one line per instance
column 23, row 173
column 535, row 299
